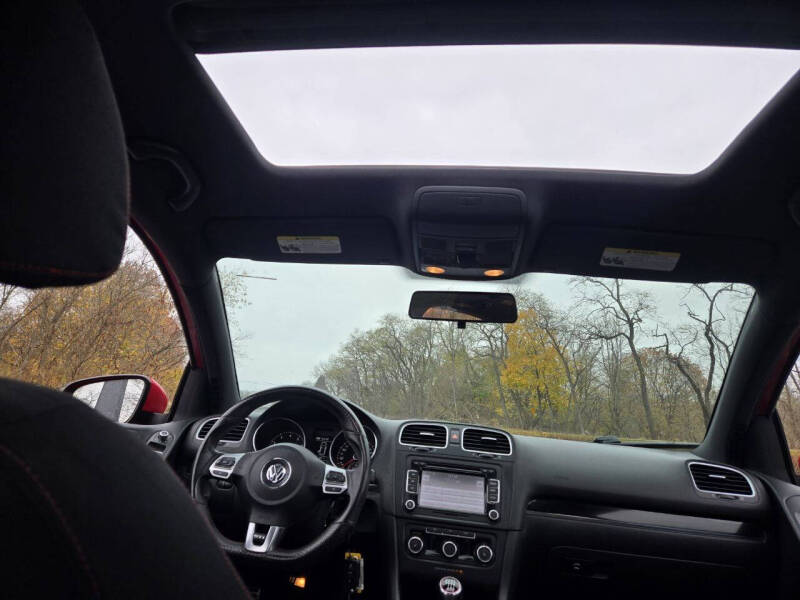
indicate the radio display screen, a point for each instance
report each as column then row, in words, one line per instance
column 452, row 491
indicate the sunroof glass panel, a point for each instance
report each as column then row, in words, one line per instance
column 663, row 109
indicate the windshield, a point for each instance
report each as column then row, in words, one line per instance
column 588, row 357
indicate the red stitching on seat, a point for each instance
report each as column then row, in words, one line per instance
column 55, row 270
column 49, row 497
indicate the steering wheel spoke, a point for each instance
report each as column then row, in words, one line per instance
column 334, row 481
column 223, row 465
column 262, row 537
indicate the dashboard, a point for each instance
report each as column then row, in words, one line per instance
column 591, row 518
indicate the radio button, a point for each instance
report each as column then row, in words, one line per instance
column 415, row 544
column 493, row 491
column 484, row 553
column 449, row 548
column 412, row 481
column 410, row 505
column 494, row 514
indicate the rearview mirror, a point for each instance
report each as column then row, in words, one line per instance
column 478, row 307
column 120, row 397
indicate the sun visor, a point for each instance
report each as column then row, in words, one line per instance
column 64, row 203
column 651, row 255
column 353, row 241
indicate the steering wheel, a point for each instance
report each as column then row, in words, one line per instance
column 283, row 483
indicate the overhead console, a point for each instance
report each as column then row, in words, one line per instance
column 468, row 232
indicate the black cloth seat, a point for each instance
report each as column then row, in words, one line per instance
column 86, row 511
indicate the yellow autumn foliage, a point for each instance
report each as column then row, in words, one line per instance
column 533, row 366
column 124, row 324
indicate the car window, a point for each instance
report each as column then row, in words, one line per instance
column 588, row 358
column 124, row 324
column 789, row 413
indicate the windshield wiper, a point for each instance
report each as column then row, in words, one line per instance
column 606, row 439
column 612, row 439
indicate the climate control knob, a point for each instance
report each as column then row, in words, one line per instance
column 484, row 553
column 449, row 548
column 415, row 544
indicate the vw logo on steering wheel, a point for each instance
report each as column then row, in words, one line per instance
column 277, row 472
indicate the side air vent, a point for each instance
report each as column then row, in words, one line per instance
column 485, row 441
column 715, row 479
column 235, row 434
column 429, row 435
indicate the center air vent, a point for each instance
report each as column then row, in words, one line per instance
column 719, row 480
column 235, row 434
column 429, row 435
column 485, row 441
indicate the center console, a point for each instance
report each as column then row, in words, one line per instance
column 451, row 521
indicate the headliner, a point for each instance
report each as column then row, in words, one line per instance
column 731, row 221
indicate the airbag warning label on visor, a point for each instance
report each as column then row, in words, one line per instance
column 629, row 258
column 309, row 244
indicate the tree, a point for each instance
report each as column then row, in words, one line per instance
column 124, row 324
column 533, row 372
column 789, row 407
column 705, row 340
column 617, row 313
column 594, row 367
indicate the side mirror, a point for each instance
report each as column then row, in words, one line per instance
column 120, row 397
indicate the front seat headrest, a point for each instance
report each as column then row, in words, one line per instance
column 63, row 164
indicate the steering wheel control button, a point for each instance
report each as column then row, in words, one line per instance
column 224, row 465
column 484, row 554
column 415, row 544
column 449, row 587
column 494, row 514
column 335, row 477
column 410, row 505
column 449, row 548
column 277, row 473
column 334, row 481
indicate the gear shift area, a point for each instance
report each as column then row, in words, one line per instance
column 450, row 587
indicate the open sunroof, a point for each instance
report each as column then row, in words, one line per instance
column 660, row 109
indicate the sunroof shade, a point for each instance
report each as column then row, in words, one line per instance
column 664, row 109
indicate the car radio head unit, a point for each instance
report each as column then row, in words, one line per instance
column 448, row 488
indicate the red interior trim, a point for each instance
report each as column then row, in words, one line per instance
column 182, row 304
column 773, row 387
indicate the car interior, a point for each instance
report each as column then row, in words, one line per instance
column 259, row 477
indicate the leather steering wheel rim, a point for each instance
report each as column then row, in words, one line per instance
column 357, row 479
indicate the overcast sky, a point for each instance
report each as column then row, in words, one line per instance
column 667, row 109
column 637, row 108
